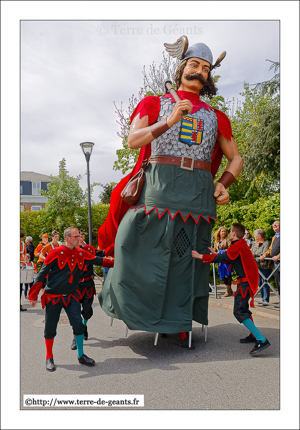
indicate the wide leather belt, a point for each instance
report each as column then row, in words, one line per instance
column 185, row 162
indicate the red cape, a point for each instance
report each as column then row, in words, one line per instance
column 118, row 208
column 240, row 248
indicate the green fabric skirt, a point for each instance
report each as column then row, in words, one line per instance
column 155, row 284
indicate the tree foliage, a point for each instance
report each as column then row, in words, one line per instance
column 35, row 224
column 106, row 193
column 257, row 130
column 260, row 214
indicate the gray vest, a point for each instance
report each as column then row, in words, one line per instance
column 194, row 136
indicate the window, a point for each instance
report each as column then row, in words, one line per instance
column 21, row 189
column 22, row 208
column 36, row 208
column 36, row 188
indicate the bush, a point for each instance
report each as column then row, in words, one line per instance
column 260, row 214
column 32, row 224
column 35, row 224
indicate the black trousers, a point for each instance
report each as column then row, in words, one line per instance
column 73, row 311
column 87, row 310
column 241, row 305
column 87, row 288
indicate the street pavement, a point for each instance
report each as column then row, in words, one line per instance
column 220, row 374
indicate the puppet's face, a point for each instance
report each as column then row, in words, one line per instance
column 195, row 75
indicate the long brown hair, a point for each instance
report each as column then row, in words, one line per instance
column 218, row 239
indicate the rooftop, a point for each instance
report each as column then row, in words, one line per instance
column 33, row 176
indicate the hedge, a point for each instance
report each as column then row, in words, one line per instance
column 35, row 224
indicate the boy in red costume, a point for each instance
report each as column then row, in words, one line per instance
column 64, row 266
column 243, row 263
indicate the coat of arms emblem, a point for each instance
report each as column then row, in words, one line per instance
column 191, row 130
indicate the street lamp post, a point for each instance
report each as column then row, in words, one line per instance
column 87, row 148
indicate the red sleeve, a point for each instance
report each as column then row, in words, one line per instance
column 150, row 106
column 34, row 290
column 208, row 258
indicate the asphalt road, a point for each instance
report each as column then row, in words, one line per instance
column 219, row 374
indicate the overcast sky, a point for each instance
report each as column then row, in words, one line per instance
column 73, row 71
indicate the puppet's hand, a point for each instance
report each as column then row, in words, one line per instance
column 221, row 194
column 177, row 113
column 32, row 303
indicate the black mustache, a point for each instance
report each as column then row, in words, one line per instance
column 191, row 77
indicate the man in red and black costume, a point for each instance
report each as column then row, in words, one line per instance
column 64, row 267
column 87, row 288
column 242, row 261
column 154, row 285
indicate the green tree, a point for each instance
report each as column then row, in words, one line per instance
column 106, row 193
column 65, row 200
column 33, row 225
column 256, row 128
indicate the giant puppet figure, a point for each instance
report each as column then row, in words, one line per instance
column 155, row 285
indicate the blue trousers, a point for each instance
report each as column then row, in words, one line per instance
column 265, row 291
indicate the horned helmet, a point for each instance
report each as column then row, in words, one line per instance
column 181, row 50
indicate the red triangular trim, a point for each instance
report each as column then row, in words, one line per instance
column 71, row 257
column 173, row 216
column 85, row 292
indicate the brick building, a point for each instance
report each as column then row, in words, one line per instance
column 31, row 184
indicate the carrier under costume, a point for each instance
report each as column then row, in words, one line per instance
column 155, row 285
